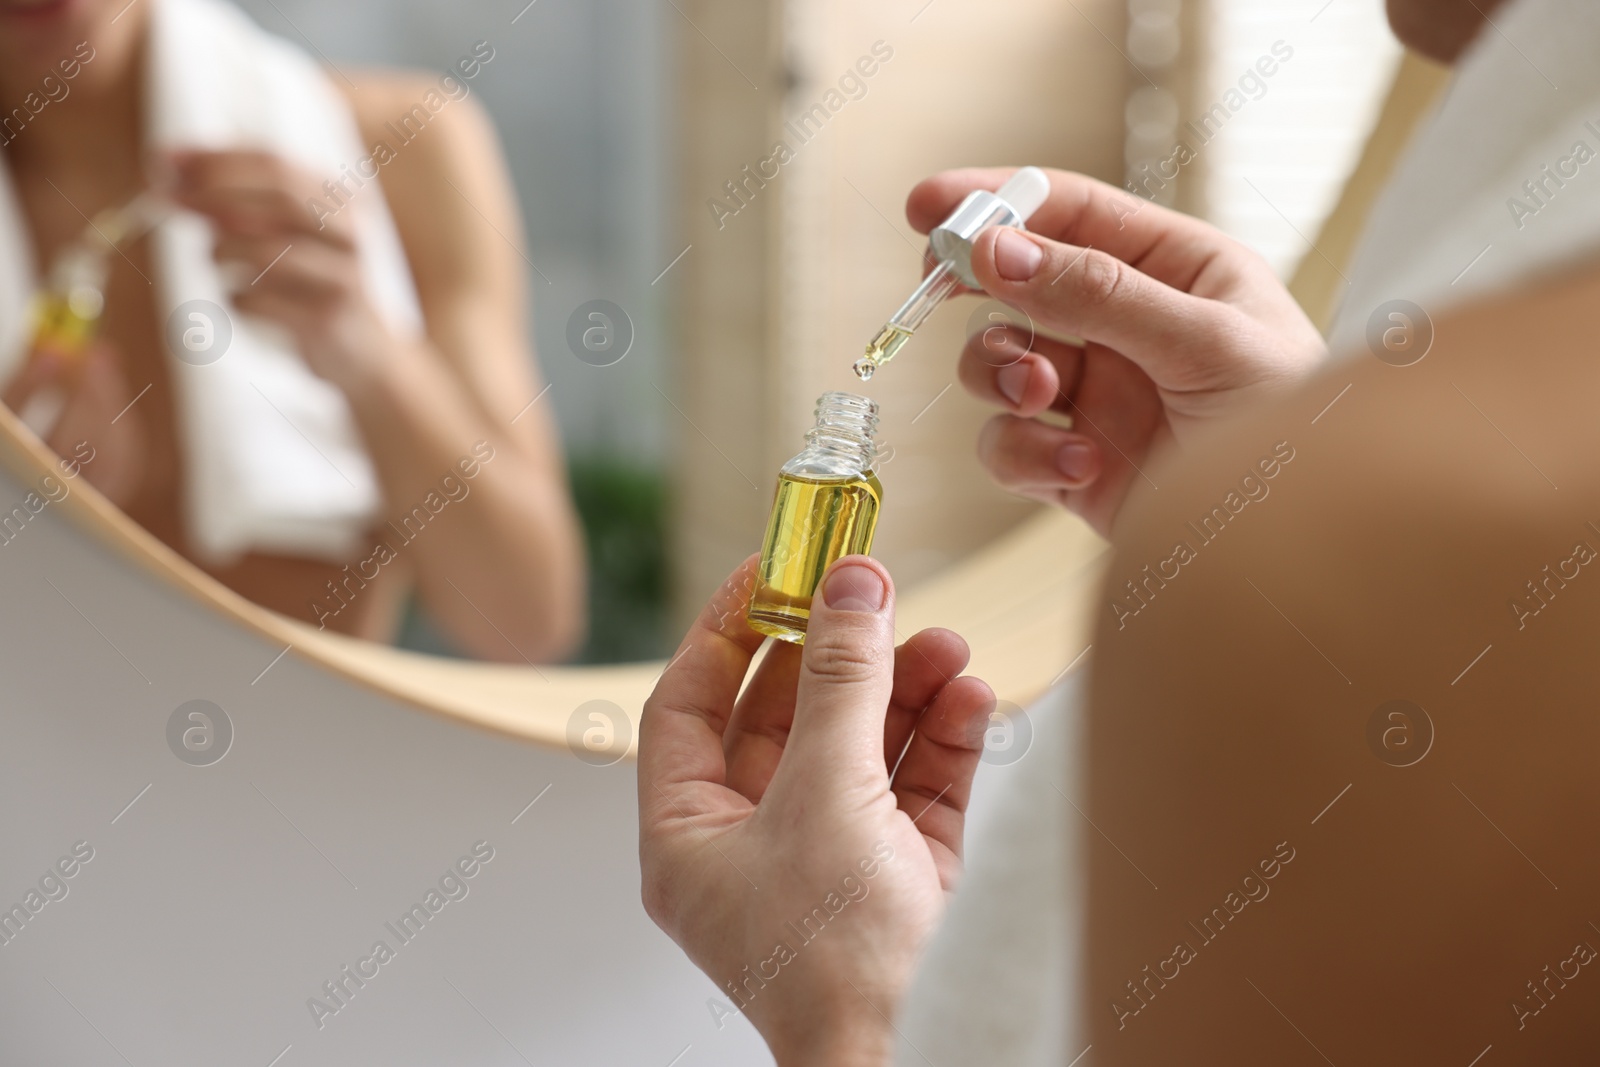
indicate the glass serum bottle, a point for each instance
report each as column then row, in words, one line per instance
column 826, row 507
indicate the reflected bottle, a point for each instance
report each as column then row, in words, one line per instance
column 826, row 507
column 66, row 313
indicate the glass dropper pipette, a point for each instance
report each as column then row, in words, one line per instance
column 67, row 308
column 65, row 311
column 951, row 244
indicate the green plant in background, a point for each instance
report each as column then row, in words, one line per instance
column 623, row 508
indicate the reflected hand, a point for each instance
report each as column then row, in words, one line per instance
column 95, row 417
column 286, row 263
column 1179, row 325
column 778, row 807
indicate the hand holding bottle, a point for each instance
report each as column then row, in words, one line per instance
column 1178, row 323
column 85, row 402
column 768, row 816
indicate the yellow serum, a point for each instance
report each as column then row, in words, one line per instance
column 814, row 522
column 880, row 350
column 65, row 324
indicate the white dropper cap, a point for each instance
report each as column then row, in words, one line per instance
column 1012, row 205
column 1025, row 191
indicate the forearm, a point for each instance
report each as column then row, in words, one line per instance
column 497, row 552
column 493, row 540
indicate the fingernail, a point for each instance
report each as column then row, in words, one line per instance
column 854, row 588
column 1013, row 381
column 1076, row 460
column 1015, row 257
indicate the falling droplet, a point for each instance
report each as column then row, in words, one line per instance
column 864, row 369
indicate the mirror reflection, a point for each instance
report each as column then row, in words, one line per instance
column 272, row 282
column 480, row 328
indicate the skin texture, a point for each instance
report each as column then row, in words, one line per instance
column 1234, row 707
column 500, row 569
column 837, row 780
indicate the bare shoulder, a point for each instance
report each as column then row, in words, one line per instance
column 1352, row 630
column 381, row 98
column 441, row 166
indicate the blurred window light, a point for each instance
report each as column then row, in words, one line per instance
column 1274, row 170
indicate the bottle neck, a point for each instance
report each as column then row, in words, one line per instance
column 841, row 444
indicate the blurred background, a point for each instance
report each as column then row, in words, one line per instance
column 625, row 121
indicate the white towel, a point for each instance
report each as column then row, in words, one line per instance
column 272, row 458
column 1444, row 231
column 1001, row 984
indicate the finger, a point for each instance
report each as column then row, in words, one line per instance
column 757, row 731
column 302, row 316
column 923, row 666
column 1024, row 455
column 261, row 213
column 225, row 166
column 846, row 678
column 288, row 311
column 1089, row 293
column 41, row 370
column 1116, row 409
column 999, row 367
column 934, row 782
column 680, row 731
column 932, row 199
column 237, row 170
column 1079, row 210
column 302, row 268
column 253, row 192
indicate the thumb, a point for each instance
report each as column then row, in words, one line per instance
column 42, row 369
column 846, row 675
column 1088, row 293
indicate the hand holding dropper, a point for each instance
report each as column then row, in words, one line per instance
column 951, row 242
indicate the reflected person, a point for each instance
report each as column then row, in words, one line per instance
column 369, row 429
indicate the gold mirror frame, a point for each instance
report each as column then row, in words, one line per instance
column 1047, row 565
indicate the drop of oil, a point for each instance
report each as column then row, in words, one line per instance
column 864, row 369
